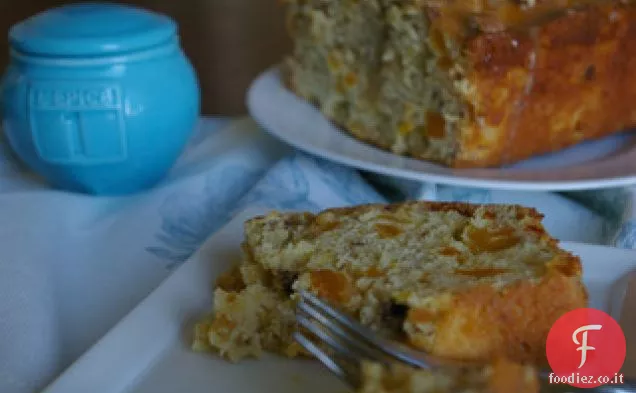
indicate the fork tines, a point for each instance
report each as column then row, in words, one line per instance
column 341, row 343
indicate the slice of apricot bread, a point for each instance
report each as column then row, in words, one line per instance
column 461, row 281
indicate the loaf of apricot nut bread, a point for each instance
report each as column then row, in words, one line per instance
column 461, row 281
column 499, row 377
column 467, row 83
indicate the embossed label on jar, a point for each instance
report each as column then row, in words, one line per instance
column 87, row 98
column 77, row 122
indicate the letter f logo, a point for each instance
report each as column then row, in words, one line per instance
column 583, row 344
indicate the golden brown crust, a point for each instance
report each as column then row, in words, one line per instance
column 532, row 91
column 500, row 15
column 484, row 322
column 541, row 91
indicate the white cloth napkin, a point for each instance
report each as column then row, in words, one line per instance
column 72, row 265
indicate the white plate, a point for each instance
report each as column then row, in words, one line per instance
column 610, row 162
column 148, row 351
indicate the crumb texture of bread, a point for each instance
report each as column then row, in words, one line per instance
column 499, row 377
column 467, row 84
column 461, row 281
column 247, row 321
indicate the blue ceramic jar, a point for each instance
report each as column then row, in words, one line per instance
column 98, row 98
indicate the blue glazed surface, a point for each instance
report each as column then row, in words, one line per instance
column 91, row 28
column 101, row 124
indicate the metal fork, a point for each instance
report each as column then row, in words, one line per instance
column 321, row 326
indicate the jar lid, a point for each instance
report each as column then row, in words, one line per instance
column 90, row 29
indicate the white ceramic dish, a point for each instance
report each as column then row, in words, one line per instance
column 610, row 162
column 147, row 352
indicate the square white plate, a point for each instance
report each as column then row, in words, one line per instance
column 148, row 351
